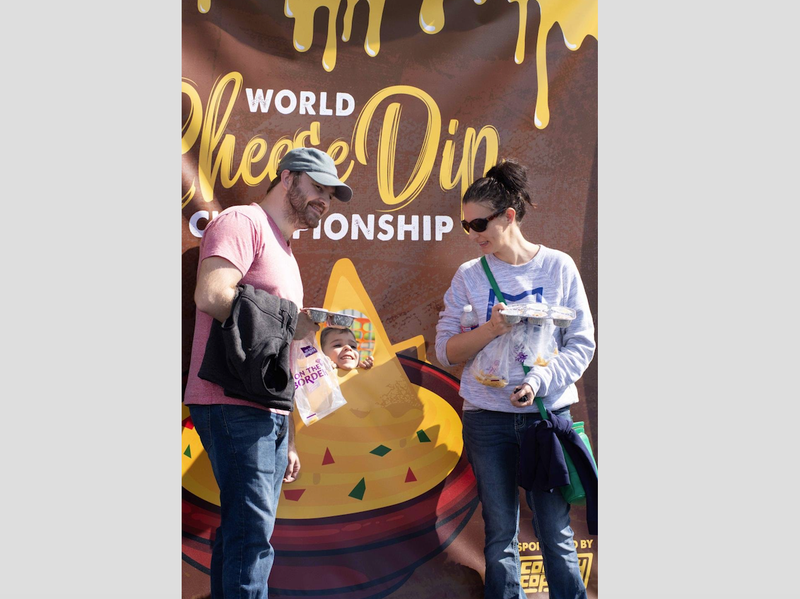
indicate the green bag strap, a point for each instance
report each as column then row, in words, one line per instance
column 492, row 282
column 502, row 298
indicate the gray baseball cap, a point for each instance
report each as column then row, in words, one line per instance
column 317, row 165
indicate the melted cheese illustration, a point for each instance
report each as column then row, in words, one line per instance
column 577, row 18
column 391, row 442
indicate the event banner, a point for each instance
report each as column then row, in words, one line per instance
column 413, row 100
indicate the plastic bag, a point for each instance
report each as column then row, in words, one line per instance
column 316, row 384
column 492, row 365
column 535, row 344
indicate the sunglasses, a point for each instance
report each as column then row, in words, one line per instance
column 479, row 224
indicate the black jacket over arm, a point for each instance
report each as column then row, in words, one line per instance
column 248, row 354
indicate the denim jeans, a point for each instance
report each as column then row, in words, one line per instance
column 247, row 448
column 492, row 440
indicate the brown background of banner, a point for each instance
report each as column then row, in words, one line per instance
column 469, row 70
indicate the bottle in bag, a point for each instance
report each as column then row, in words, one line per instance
column 469, row 320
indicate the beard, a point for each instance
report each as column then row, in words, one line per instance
column 298, row 210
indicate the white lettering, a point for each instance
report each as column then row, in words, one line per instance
column 388, row 230
column 307, row 100
column 258, row 100
column 286, row 102
column 337, row 226
column 343, row 226
column 323, row 104
column 197, row 217
column 285, row 93
column 341, row 97
column 367, row 230
column 444, row 224
column 402, row 227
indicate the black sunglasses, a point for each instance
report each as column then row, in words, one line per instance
column 479, row 224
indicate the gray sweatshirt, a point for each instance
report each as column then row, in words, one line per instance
column 550, row 277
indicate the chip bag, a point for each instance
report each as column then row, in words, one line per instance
column 316, row 384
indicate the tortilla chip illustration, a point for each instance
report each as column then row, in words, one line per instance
column 384, row 483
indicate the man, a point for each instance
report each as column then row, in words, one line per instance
column 251, row 445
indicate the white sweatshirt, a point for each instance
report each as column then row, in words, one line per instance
column 550, row 277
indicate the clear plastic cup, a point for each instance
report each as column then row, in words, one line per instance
column 512, row 315
column 536, row 313
column 562, row 316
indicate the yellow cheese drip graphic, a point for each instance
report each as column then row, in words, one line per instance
column 372, row 43
column 577, row 18
column 431, row 16
column 302, row 11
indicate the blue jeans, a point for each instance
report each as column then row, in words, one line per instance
column 247, row 448
column 492, row 441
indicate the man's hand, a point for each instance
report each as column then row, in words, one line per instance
column 305, row 326
column 293, row 469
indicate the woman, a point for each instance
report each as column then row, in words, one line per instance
column 495, row 419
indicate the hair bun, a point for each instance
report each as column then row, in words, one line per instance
column 505, row 185
column 512, row 176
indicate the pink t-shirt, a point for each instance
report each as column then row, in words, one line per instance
column 248, row 238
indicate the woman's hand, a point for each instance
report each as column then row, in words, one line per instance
column 497, row 323
column 522, row 396
column 463, row 346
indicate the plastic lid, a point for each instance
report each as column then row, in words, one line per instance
column 468, row 308
column 562, row 312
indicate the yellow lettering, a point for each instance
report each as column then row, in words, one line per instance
column 187, row 197
column 525, row 567
column 224, row 162
column 215, row 157
column 466, row 168
column 254, row 151
column 339, row 150
column 214, row 124
column 312, row 132
column 279, row 150
column 194, row 120
column 387, row 144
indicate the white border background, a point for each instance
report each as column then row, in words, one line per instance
column 696, row 344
